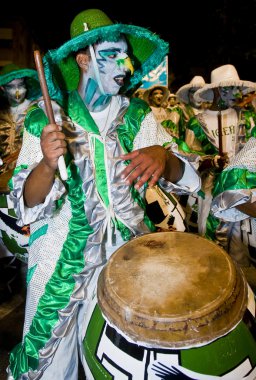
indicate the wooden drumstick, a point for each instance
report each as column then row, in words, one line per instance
column 48, row 106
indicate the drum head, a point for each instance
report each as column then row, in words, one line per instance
column 172, row 289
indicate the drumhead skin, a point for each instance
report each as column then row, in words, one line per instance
column 172, row 289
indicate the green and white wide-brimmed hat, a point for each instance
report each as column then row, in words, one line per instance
column 11, row 71
column 146, row 50
column 196, row 83
column 222, row 76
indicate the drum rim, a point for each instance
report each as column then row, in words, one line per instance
column 181, row 332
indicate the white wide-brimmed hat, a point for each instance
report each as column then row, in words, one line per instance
column 149, row 91
column 196, row 83
column 222, row 76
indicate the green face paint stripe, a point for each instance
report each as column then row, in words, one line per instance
column 120, row 61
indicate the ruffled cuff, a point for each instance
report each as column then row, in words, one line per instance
column 189, row 183
column 224, row 205
column 26, row 215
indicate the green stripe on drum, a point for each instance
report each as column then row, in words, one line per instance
column 91, row 340
column 40, row 232
column 219, row 358
column 3, row 201
column 12, row 245
column 12, row 213
column 223, row 354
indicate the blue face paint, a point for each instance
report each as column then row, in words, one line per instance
column 106, row 55
column 230, row 94
column 102, row 100
column 90, row 90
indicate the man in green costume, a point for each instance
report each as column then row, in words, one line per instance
column 113, row 147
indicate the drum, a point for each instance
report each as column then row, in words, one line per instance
column 171, row 305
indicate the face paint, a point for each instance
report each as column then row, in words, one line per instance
column 105, row 80
column 15, row 91
column 114, row 65
column 191, row 98
column 93, row 98
column 229, row 95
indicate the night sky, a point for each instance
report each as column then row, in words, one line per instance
column 202, row 35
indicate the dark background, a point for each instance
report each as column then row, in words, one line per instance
column 202, row 34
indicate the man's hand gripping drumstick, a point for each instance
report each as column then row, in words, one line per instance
column 48, row 106
column 41, row 179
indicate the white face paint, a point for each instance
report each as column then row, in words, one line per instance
column 113, row 65
column 15, row 91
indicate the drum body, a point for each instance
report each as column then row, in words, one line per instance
column 14, row 238
column 171, row 305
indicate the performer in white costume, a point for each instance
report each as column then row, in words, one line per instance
column 113, row 147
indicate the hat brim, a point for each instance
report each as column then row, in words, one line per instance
column 17, row 74
column 147, row 92
column 146, row 49
column 182, row 93
column 206, row 94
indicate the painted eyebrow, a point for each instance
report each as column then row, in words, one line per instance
column 110, row 50
column 9, row 85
